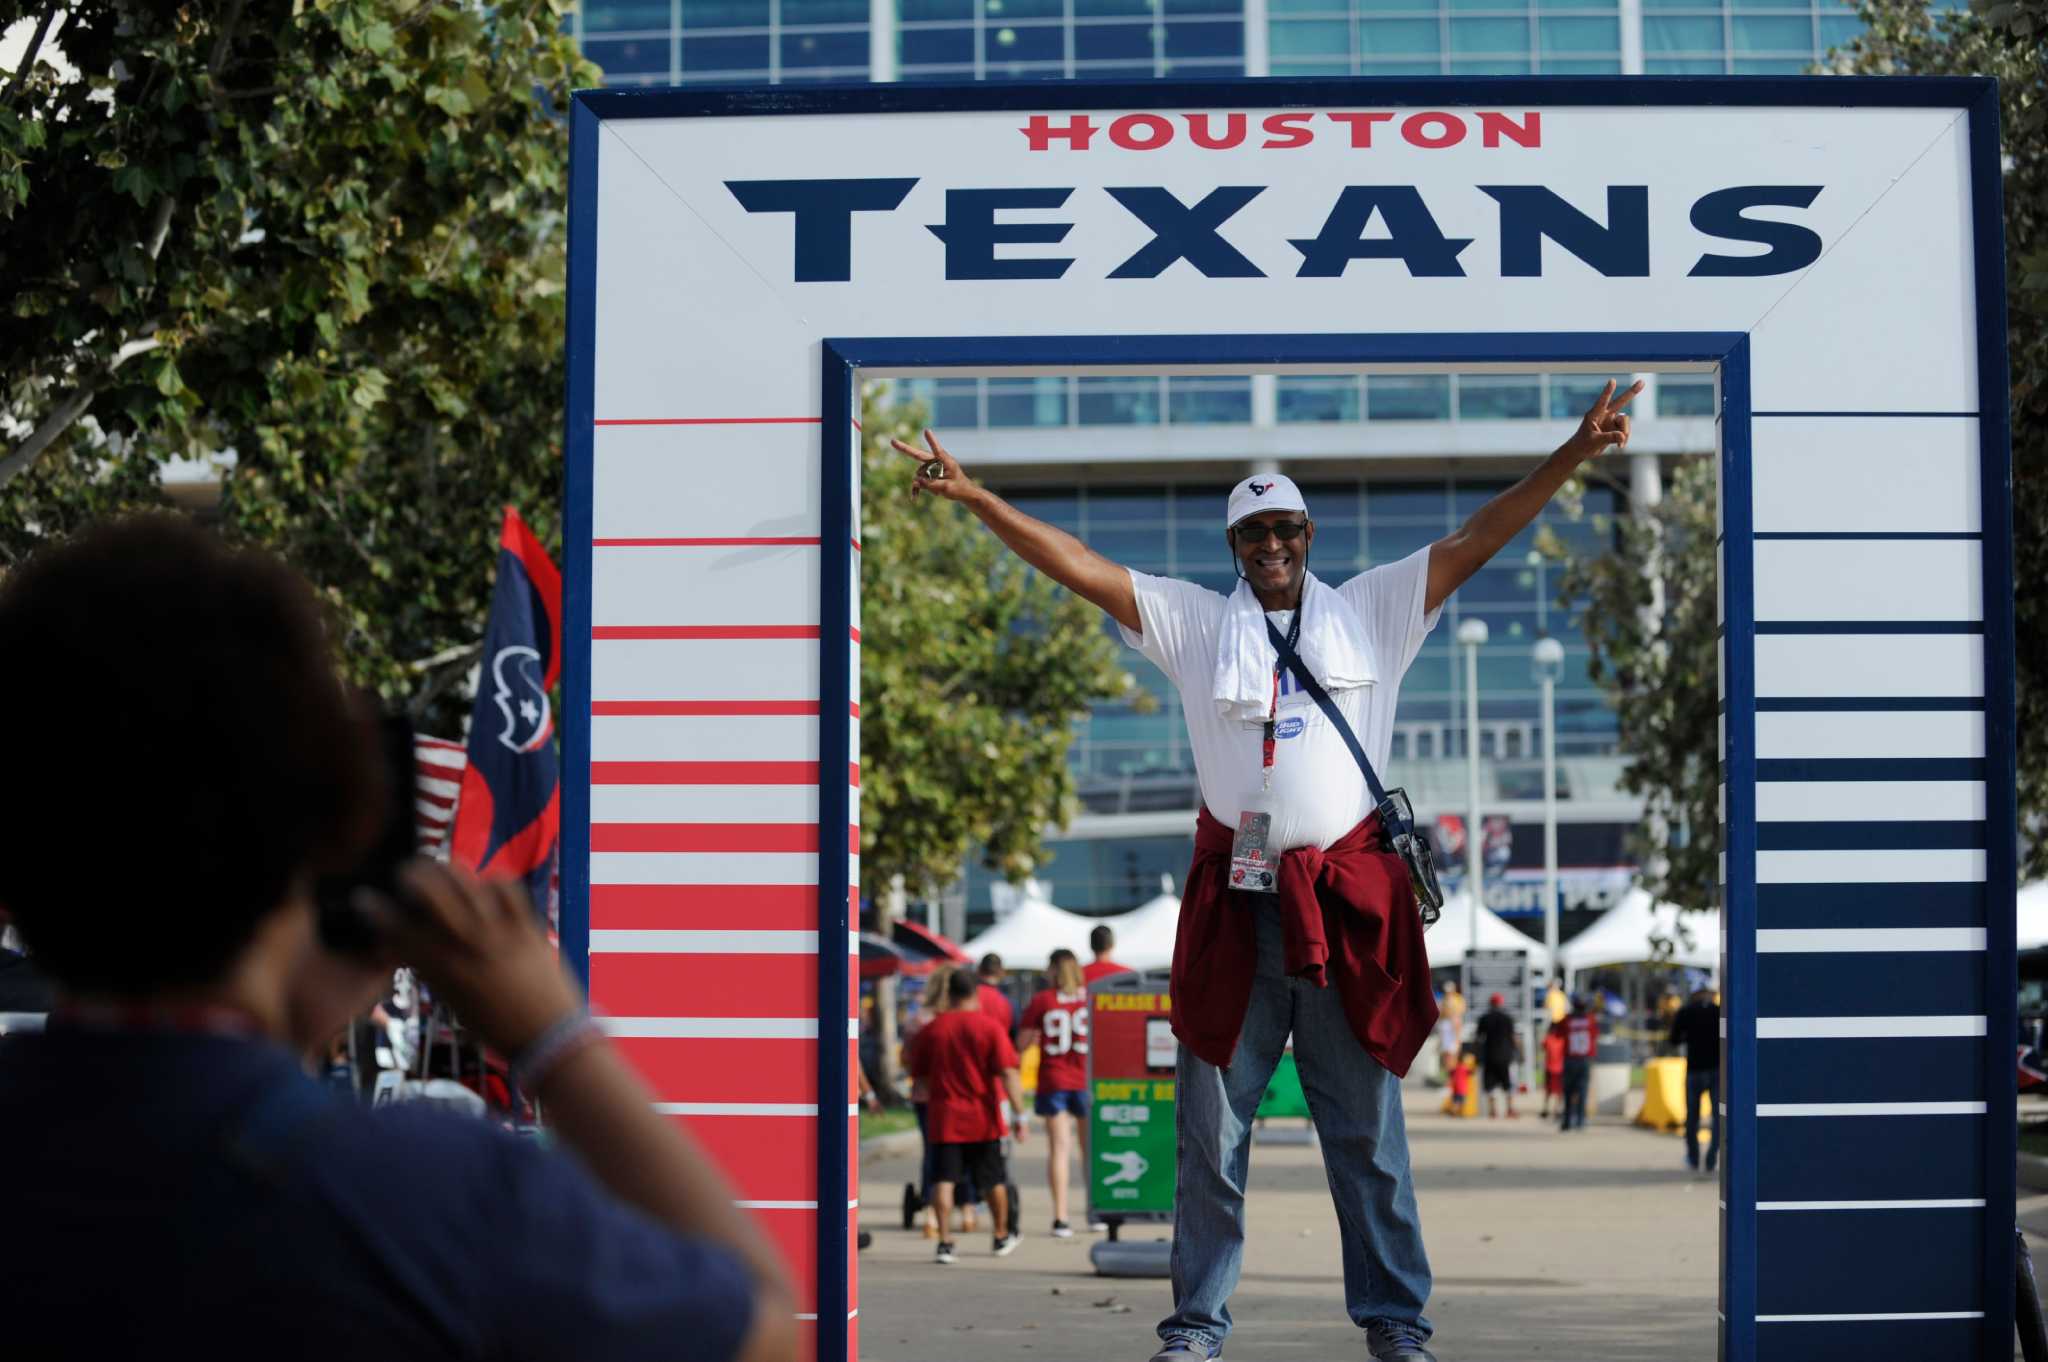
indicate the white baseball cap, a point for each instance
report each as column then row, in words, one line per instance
column 1263, row 492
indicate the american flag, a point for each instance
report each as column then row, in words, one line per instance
column 437, row 781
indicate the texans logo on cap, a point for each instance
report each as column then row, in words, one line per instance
column 1259, row 489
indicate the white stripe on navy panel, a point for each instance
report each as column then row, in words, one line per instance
column 1792, row 801
column 1870, row 1109
column 1867, row 1028
column 1868, row 939
column 701, row 669
column 1865, row 734
column 1911, row 866
column 1868, row 1319
column 1957, row 1204
column 1881, row 665
column 1874, row 474
column 1870, row 580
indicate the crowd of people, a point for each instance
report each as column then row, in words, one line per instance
column 961, row 1053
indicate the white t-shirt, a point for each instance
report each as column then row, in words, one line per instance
column 1318, row 793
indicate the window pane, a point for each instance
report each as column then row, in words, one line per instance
column 1405, row 397
column 824, row 12
column 1208, row 39
column 1560, row 66
column 1417, row 66
column 910, row 11
column 629, row 56
column 1305, row 6
column 1017, row 42
column 709, row 14
column 1692, row 66
column 1772, row 66
column 1089, row 9
column 1490, row 35
column 1839, row 30
column 1118, row 402
column 1204, row 6
column 825, row 49
column 1112, row 42
column 704, row 55
column 1394, row 37
column 1754, row 33
column 1571, row 394
column 627, row 17
column 1492, row 66
column 1284, row 67
column 1006, row 10
column 1316, row 399
column 1486, row 397
column 1027, row 402
column 1687, row 397
column 1312, row 38
column 1198, row 401
column 927, row 46
column 1581, row 35
column 1676, row 33
column 1062, row 509
column 1575, row 4
column 1420, row 500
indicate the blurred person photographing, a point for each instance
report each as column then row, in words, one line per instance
column 177, row 1183
column 1301, row 912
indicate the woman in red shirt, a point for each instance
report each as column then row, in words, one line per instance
column 1057, row 1022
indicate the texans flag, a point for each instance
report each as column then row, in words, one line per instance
column 509, row 814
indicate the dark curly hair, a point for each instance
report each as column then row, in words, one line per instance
column 182, row 753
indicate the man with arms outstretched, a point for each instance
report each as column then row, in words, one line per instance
column 1334, row 957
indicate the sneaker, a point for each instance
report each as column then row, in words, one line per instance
column 945, row 1253
column 1187, row 1350
column 1062, row 1230
column 1004, row 1245
column 1098, row 1227
column 1393, row 1341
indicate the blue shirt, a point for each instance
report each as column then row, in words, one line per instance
column 142, row 1217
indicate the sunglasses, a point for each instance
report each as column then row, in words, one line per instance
column 1286, row 531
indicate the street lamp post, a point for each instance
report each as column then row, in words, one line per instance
column 1472, row 637
column 1548, row 663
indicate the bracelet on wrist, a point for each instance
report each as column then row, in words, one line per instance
column 532, row 1065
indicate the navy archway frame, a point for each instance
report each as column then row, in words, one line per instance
column 1992, row 1268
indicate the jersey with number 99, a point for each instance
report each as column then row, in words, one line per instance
column 1061, row 1020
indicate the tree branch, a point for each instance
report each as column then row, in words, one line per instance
column 66, row 413
column 225, row 38
column 28, row 58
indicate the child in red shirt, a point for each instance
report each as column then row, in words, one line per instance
column 1553, row 1072
column 965, row 1060
column 1581, row 1034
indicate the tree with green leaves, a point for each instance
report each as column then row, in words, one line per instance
column 1649, row 614
column 318, row 243
column 2007, row 39
column 975, row 668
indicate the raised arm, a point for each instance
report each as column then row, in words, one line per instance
column 1052, row 551
column 1454, row 558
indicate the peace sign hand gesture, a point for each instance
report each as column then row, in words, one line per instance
column 939, row 473
column 1605, row 424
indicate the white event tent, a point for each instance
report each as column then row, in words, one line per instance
column 1144, row 936
column 1452, row 937
column 1622, row 936
column 1027, row 934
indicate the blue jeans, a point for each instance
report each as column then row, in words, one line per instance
column 1578, row 1077
column 1356, row 1106
column 1698, row 1081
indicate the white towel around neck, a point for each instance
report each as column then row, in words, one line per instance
column 1332, row 643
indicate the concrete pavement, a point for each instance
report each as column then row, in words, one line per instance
column 1595, row 1245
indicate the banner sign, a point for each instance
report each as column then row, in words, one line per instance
column 1131, row 1063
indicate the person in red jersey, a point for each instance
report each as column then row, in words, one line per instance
column 1581, row 1032
column 994, row 1002
column 1056, row 1020
column 965, row 1060
column 1102, row 941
